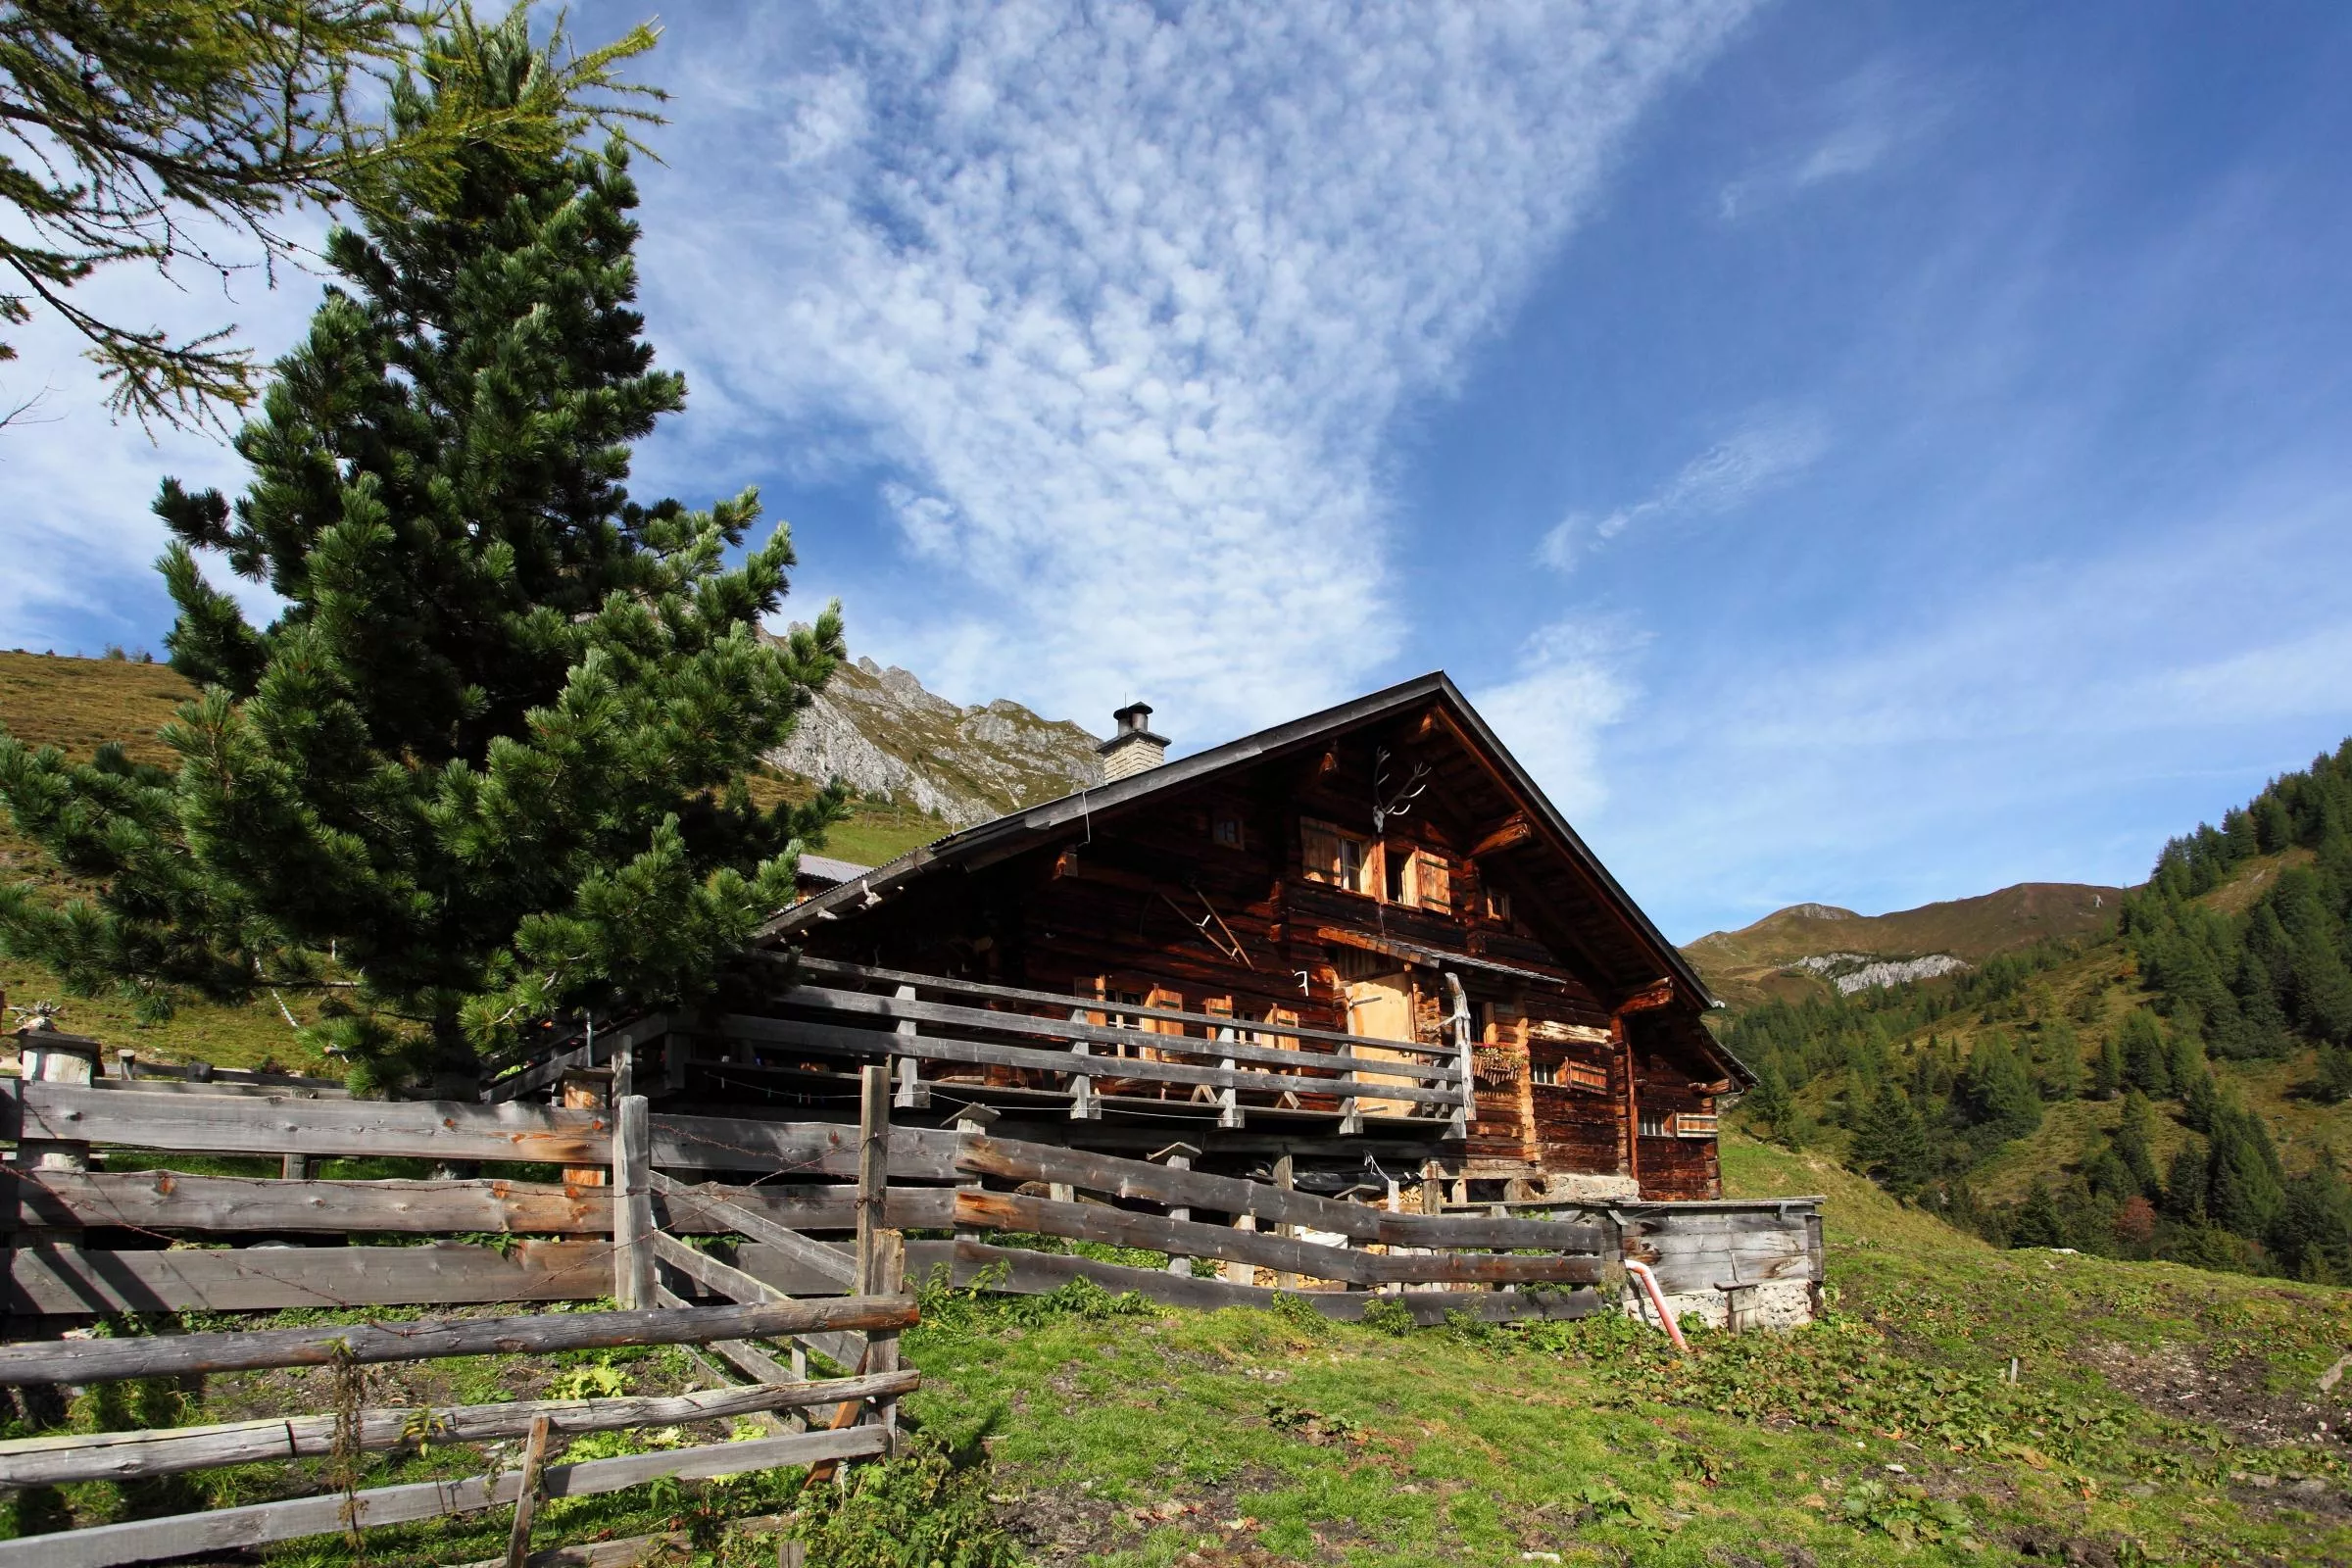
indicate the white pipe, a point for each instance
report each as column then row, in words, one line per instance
column 1657, row 1299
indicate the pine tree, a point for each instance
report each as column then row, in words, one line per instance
column 2061, row 1060
column 2185, row 1185
column 2314, row 1231
column 1770, row 1102
column 490, row 756
column 2037, row 1222
column 2334, row 1081
column 2133, row 1146
column 2106, row 1174
column 2145, row 1056
column 2000, row 1095
column 2107, row 1072
column 2198, row 1101
column 2245, row 1189
column 2184, row 1053
column 2319, row 978
column 1892, row 1144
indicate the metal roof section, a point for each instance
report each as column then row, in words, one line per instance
column 824, row 869
column 990, row 841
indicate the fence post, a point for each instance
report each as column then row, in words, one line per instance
column 1082, row 1087
column 582, row 1089
column 881, row 1251
column 632, row 1204
column 1242, row 1273
column 50, row 1058
column 526, row 1502
column 972, row 1121
column 1179, row 1157
column 882, row 1345
column 873, row 1170
column 1351, row 1116
column 1228, row 1102
column 913, row 1094
column 1284, row 1178
column 1465, row 1057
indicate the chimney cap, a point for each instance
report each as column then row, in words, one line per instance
column 1132, row 746
column 1132, row 726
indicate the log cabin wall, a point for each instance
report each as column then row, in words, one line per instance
column 1263, row 890
column 1677, row 1160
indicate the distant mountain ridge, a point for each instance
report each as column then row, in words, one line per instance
column 1821, row 942
column 890, row 738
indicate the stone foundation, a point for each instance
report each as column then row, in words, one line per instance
column 1774, row 1305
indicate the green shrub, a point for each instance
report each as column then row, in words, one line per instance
column 924, row 1511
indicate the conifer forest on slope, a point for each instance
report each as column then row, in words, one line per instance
column 2176, row 1091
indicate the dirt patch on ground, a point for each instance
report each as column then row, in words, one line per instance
column 1068, row 1524
column 2226, row 1391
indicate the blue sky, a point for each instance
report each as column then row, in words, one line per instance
column 1868, row 454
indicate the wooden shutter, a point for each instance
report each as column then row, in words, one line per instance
column 1433, row 882
column 1320, row 850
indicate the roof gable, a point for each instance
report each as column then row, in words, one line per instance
column 1621, row 940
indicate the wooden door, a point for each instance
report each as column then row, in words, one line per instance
column 1382, row 1008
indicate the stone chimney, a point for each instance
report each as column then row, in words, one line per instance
column 1132, row 746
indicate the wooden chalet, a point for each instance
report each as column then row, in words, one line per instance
column 1357, row 948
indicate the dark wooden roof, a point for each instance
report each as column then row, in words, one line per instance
column 1600, row 917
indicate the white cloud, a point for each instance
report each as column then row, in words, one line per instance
column 1766, row 451
column 1569, row 686
column 1871, row 115
column 1127, row 295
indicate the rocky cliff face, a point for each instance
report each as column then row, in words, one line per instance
column 880, row 730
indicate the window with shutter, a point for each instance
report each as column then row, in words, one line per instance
column 1433, row 882
column 1586, row 1075
column 1328, row 855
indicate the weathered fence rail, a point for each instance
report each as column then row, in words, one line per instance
column 260, row 1524
column 140, row 1456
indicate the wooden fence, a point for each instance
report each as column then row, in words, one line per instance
column 796, row 1220
column 661, row 1282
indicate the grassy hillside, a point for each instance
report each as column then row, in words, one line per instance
column 1748, row 966
column 2161, row 1415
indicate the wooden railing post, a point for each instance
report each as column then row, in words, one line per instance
column 1178, row 1157
column 50, row 1058
column 579, row 1089
column 881, row 1252
column 1285, row 1179
column 882, row 1345
column 1352, row 1119
column 1229, row 1104
column 972, row 1121
column 913, row 1094
column 632, row 1204
column 527, row 1500
column 1465, row 1057
column 873, row 1170
column 1082, row 1086
column 1236, row 1272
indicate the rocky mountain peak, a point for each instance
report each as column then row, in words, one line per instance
column 890, row 738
